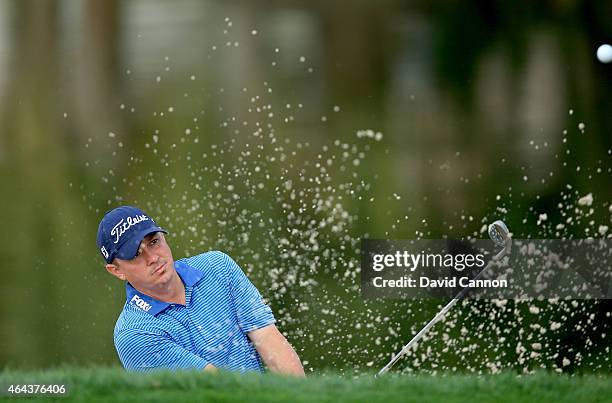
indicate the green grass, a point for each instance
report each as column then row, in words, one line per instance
column 116, row 385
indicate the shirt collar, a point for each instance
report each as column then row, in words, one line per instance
column 152, row 306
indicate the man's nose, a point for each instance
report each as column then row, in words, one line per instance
column 150, row 256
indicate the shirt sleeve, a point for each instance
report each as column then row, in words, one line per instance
column 141, row 350
column 252, row 312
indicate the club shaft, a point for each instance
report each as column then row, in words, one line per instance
column 418, row 336
column 435, row 319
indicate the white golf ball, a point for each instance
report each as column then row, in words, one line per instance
column 604, row 53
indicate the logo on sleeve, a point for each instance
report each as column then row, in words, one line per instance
column 140, row 303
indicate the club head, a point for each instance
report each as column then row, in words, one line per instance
column 499, row 233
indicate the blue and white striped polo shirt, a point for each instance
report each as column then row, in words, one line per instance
column 221, row 306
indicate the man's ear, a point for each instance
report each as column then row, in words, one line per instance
column 114, row 270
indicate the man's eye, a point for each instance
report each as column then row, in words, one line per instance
column 153, row 242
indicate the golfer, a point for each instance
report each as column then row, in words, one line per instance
column 201, row 312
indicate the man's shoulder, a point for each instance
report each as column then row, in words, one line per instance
column 132, row 317
column 207, row 261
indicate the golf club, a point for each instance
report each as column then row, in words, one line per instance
column 498, row 232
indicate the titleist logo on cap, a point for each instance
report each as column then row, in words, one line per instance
column 122, row 226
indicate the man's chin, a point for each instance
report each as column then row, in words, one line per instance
column 169, row 270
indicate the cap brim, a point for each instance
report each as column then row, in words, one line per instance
column 128, row 250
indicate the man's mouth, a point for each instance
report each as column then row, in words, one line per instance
column 160, row 269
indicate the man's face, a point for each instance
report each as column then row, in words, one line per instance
column 152, row 267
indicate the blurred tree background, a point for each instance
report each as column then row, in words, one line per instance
column 235, row 124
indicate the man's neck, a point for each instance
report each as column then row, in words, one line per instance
column 173, row 292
